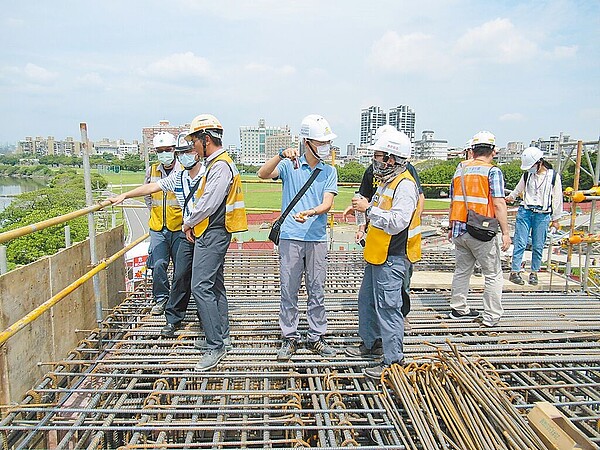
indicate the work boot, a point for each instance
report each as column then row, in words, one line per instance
column 210, row 359
column 169, row 329
column 321, row 347
column 515, row 277
column 533, row 279
column 200, row 344
column 288, row 348
column 159, row 308
column 457, row 315
column 362, row 351
column 377, row 371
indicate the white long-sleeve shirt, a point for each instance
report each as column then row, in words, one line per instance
column 539, row 193
column 396, row 219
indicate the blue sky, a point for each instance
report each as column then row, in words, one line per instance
column 522, row 70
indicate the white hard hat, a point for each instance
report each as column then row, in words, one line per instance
column 530, row 156
column 317, row 128
column 208, row 123
column 182, row 144
column 483, row 137
column 163, row 139
column 384, row 129
column 395, row 143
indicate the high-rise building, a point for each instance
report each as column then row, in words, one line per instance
column 430, row 148
column 371, row 118
column 253, row 142
column 351, row 150
column 403, row 119
column 148, row 133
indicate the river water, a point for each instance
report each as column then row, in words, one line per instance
column 10, row 186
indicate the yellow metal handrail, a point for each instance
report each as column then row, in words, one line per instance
column 27, row 229
column 37, row 312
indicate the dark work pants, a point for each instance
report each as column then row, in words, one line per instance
column 181, row 287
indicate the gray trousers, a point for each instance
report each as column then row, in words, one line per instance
column 163, row 249
column 297, row 258
column 469, row 250
column 208, row 285
column 380, row 307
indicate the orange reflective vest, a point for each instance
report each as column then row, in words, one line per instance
column 165, row 210
column 378, row 242
column 235, row 210
column 477, row 185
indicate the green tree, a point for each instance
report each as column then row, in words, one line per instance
column 512, row 173
column 351, row 172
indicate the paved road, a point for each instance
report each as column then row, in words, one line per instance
column 137, row 219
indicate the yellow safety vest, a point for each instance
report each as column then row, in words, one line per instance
column 235, row 210
column 378, row 241
column 165, row 210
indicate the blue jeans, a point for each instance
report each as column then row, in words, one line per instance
column 163, row 249
column 537, row 223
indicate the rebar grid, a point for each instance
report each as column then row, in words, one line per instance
column 126, row 387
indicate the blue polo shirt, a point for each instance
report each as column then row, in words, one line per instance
column 315, row 227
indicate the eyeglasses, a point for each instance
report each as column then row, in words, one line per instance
column 164, row 149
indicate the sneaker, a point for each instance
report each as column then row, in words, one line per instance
column 515, row 277
column 362, row 351
column 200, row 344
column 407, row 326
column 477, row 271
column 377, row 371
column 489, row 323
column 210, row 359
column 169, row 329
column 457, row 315
column 288, row 348
column 533, row 279
column 321, row 347
column 158, row 309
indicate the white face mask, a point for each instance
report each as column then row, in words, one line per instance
column 323, row 151
column 187, row 160
column 166, row 158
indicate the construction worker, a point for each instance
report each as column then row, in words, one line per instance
column 165, row 221
column 484, row 185
column 218, row 211
column 542, row 205
column 182, row 185
column 393, row 242
column 303, row 240
column 368, row 187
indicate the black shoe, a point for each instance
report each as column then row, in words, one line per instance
column 456, row 315
column 169, row 329
column 477, row 271
column 533, row 279
column 321, row 347
column 288, row 348
column 377, row 371
column 362, row 351
column 515, row 277
column 159, row 308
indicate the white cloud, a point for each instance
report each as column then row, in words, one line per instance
column 265, row 68
column 564, row 52
column 497, row 41
column 90, row 80
column 179, row 65
column 512, row 117
column 414, row 52
column 37, row 74
column 13, row 22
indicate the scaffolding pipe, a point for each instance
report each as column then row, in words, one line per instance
column 37, row 312
column 573, row 214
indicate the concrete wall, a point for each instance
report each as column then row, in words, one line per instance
column 52, row 335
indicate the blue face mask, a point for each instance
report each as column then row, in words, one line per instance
column 187, row 160
column 533, row 170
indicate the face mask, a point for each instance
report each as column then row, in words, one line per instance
column 187, row 160
column 533, row 169
column 323, row 151
column 166, row 158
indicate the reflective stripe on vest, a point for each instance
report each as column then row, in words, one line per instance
column 477, row 184
column 378, row 241
column 235, row 210
column 165, row 209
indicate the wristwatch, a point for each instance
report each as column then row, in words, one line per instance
column 281, row 153
column 368, row 211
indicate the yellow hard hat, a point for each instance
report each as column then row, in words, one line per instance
column 208, row 123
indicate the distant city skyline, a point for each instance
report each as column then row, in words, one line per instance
column 523, row 70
